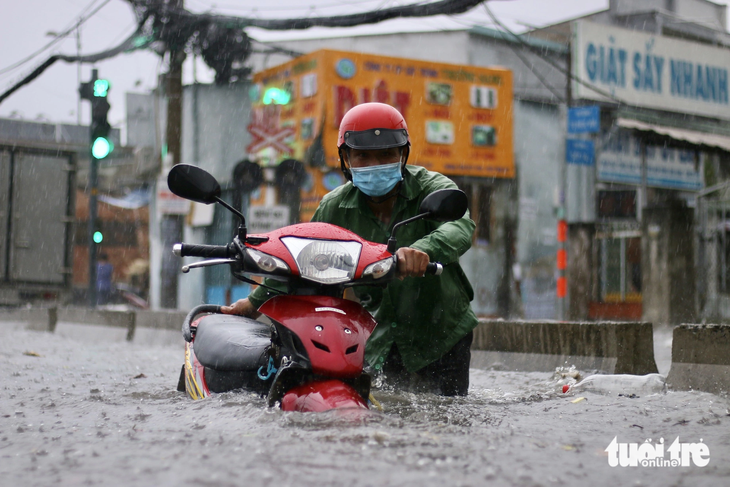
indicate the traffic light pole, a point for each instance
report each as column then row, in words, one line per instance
column 96, row 91
column 93, row 215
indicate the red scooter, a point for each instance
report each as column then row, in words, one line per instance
column 307, row 351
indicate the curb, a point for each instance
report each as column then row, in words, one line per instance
column 48, row 319
column 700, row 358
column 542, row 346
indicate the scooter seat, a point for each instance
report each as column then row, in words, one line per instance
column 227, row 342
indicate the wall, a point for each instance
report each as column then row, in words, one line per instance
column 447, row 47
column 214, row 133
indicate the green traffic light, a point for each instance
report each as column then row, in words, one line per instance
column 276, row 96
column 101, row 87
column 101, row 147
column 98, row 237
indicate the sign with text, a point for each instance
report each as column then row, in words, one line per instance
column 459, row 117
column 262, row 219
column 619, row 161
column 168, row 203
column 650, row 70
column 580, row 151
column 584, row 120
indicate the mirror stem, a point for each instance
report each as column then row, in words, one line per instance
column 392, row 245
column 242, row 226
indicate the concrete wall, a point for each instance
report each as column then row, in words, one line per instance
column 215, row 121
column 539, row 149
column 215, row 136
column 445, row 47
column 612, row 348
column 701, row 358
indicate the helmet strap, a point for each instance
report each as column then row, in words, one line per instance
column 345, row 170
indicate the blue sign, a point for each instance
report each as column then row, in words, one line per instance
column 580, row 151
column 584, row 120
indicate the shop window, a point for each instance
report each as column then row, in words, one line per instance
column 616, row 204
column 620, row 269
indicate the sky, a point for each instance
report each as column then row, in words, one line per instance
column 27, row 26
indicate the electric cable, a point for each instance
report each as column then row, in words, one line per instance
column 136, row 41
column 175, row 27
column 566, row 72
column 559, row 96
column 60, row 36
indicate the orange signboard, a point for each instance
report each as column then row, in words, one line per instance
column 459, row 117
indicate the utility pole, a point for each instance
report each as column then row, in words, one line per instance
column 171, row 226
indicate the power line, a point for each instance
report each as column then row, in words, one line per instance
column 138, row 40
column 566, row 72
column 175, row 27
column 217, row 5
column 559, row 96
column 57, row 38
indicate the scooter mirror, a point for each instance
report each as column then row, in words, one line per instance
column 193, row 183
column 445, row 205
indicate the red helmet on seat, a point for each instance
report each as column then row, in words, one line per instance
column 372, row 126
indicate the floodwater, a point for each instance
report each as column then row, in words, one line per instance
column 93, row 412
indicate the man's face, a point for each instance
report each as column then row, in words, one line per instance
column 376, row 157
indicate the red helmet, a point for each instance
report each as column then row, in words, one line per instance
column 371, row 126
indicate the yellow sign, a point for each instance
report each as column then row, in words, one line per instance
column 459, row 117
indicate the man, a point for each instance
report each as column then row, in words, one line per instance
column 104, row 271
column 425, row 324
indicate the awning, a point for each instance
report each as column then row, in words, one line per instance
column 690, row 136
column 133, row 200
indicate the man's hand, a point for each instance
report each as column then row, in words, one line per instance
column 242, row 307
column 411, row 262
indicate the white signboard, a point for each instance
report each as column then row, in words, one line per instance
column 262, row 219
column 619, row 161
column 168, row 203
column 650, row 70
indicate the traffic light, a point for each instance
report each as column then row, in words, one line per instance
column 96, row 92
column 276, row 96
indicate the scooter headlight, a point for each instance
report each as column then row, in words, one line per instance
column 378, row 269
column 266, row 262
column 324, row 261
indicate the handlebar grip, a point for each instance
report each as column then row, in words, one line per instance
column 434, row 268
column 207, row 251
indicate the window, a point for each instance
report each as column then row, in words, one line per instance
column 620, row 269
column 617, row 204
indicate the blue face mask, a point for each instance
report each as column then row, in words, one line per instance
column 377, row 180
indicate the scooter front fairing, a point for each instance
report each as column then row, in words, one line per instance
column 322, row 352
column 324, row 333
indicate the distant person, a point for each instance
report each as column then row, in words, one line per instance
column 104, row 271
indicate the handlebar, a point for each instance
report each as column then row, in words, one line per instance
column 207, row 251
column 203, row 308
column 435, row 268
